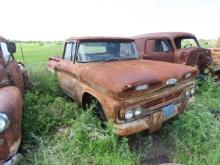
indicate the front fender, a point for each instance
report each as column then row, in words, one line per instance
column 11, row 103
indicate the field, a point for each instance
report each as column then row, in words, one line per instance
column 57, row 131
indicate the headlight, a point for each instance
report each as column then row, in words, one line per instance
column 188, row 75
column 129, row 115
column 137, row 111
column 133, row 112
column 141, row 87
column 4, row 122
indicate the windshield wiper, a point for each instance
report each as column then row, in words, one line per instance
column 115, row 59
column 111, row 59
column 131, row 58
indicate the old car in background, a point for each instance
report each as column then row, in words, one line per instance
column 175, row 47
column 135, row 94
column 216, row 52
column 13, row 82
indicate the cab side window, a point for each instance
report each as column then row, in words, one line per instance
column 5, row 52
column 162, row 46
column 69, row 51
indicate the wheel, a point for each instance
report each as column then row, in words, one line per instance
column 98, row 111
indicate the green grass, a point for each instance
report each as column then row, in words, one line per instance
column 207, row 43
column 35, row 53
column 57, row 131
column 197, row 131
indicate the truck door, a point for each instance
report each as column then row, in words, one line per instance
column 66, row 70
column 159, row 49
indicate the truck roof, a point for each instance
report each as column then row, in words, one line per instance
column 97, row 38
column 163, row 35
column 2, row 39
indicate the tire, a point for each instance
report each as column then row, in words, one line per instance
column 99, row 112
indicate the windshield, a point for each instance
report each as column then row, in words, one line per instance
column 186, row 42
column 91, row 51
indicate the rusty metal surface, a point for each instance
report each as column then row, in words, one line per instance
column 199, row 57
column 17, row 76
column 163, row 35
column 216, row 55
column 126, row 74
column 97, row 38
column 216, row 52
column 113, row 85
column 12, row 85
column 12, row 105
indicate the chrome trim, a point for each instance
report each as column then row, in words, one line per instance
column 8, row 122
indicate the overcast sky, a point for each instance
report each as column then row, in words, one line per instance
column 60, row 19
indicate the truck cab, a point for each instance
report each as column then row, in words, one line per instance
column 174, row 47
column 135, row 94
column 13, row 83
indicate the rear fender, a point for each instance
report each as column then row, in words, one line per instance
column 52, row 64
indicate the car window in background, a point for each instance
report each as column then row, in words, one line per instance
column 186, row 42
column 5, row 52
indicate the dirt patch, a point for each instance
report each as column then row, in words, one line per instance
column 154, row 149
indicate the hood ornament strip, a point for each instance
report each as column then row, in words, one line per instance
column 171, row 81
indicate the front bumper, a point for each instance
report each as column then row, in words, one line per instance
column 151, row 122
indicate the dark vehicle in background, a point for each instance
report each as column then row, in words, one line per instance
column 135, row 94
column 175, row 47
column 13, row 83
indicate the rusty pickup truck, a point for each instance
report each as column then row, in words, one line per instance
column 135, row 94
column 13, row 81
column 174, row 47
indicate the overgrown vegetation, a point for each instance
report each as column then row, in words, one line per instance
column 197, row 132
column 57, row 131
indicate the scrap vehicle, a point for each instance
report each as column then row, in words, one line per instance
column 216, row 52
column 13, row 82
column 176, row 47
column 135, row 94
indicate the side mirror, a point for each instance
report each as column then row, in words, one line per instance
column 11, row 47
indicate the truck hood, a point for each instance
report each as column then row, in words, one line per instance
column 118, row 76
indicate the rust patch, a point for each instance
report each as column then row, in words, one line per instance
column 216, row 52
